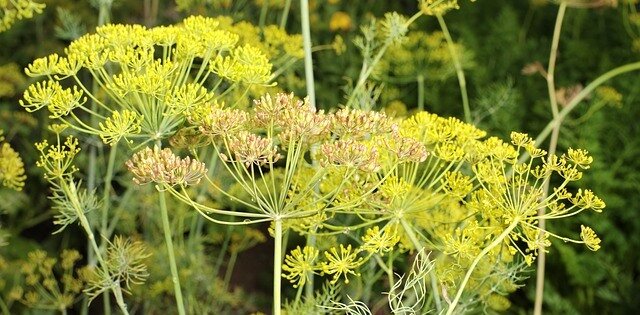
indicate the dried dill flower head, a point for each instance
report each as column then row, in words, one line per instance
column 163, row 167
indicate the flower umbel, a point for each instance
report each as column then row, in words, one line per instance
column 164, row 167
column 299, row 264
column 341, row 264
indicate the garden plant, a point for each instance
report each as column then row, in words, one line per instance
column 319, row 157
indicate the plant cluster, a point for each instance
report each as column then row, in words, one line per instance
column 183, row 155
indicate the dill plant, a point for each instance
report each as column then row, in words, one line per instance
column 148, row 83
column 362, row 189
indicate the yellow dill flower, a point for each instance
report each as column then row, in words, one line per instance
column 589, row 238
column 457, row 184
column 39, row 95
column 11, row 80
column 57, row 159
column 341, row 264
column 340, row 21
column 15, row 10
column 609, row 95
column 299, row 265
column 11, row 167
column 64, row 101
column 376, row 241
column 437, row 7
column 46, row 290
column 119, row 125
column 498, row 302
column 184, row 99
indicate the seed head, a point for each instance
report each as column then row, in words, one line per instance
column 163, row 167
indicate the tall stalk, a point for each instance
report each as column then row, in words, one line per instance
column 277, row 266
column 458, row 66
column 308, row 62
column 172, row 259
column 553, row 143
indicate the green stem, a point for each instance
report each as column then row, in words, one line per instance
column 172, row 260
column 263, row 14
column 553, row 143
column 72, row 193
column 420, row 81
column 285, row 14
column 308, row 61
column 277, row 265
column 583, row 94
column 106, row 197
column 4, row 307
column 223, row 250
column 311, row 241
column 475, row 262
column 458, row 65
column 230, row 266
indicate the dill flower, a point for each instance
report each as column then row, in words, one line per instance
column 218, row 123
column 359, row 124
column 516, row 199
column 350, row 153
column 11, row 167
column 589, row 238
column 299, row 264
column 11, row 80
column 119, row 125
column 39, row 95
column 340, row 21
column 436, row 7
column 15, row 10
column 163, row 167
column 56, row 159
column 376, row 241
column 45, row 289
column 406, row 149
column 249, row 149
column 341, row 264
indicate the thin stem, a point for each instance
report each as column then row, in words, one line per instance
column 263, row 14
column 420, row 81
column 172, row 260
column 553, row 143
column 229, row 271
column 475, row 262
column 311, row 242
column 583, row 94
column 308, row 61
column 277, row 265
column 285, row 14
column 106, row 197
column 458, row 65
